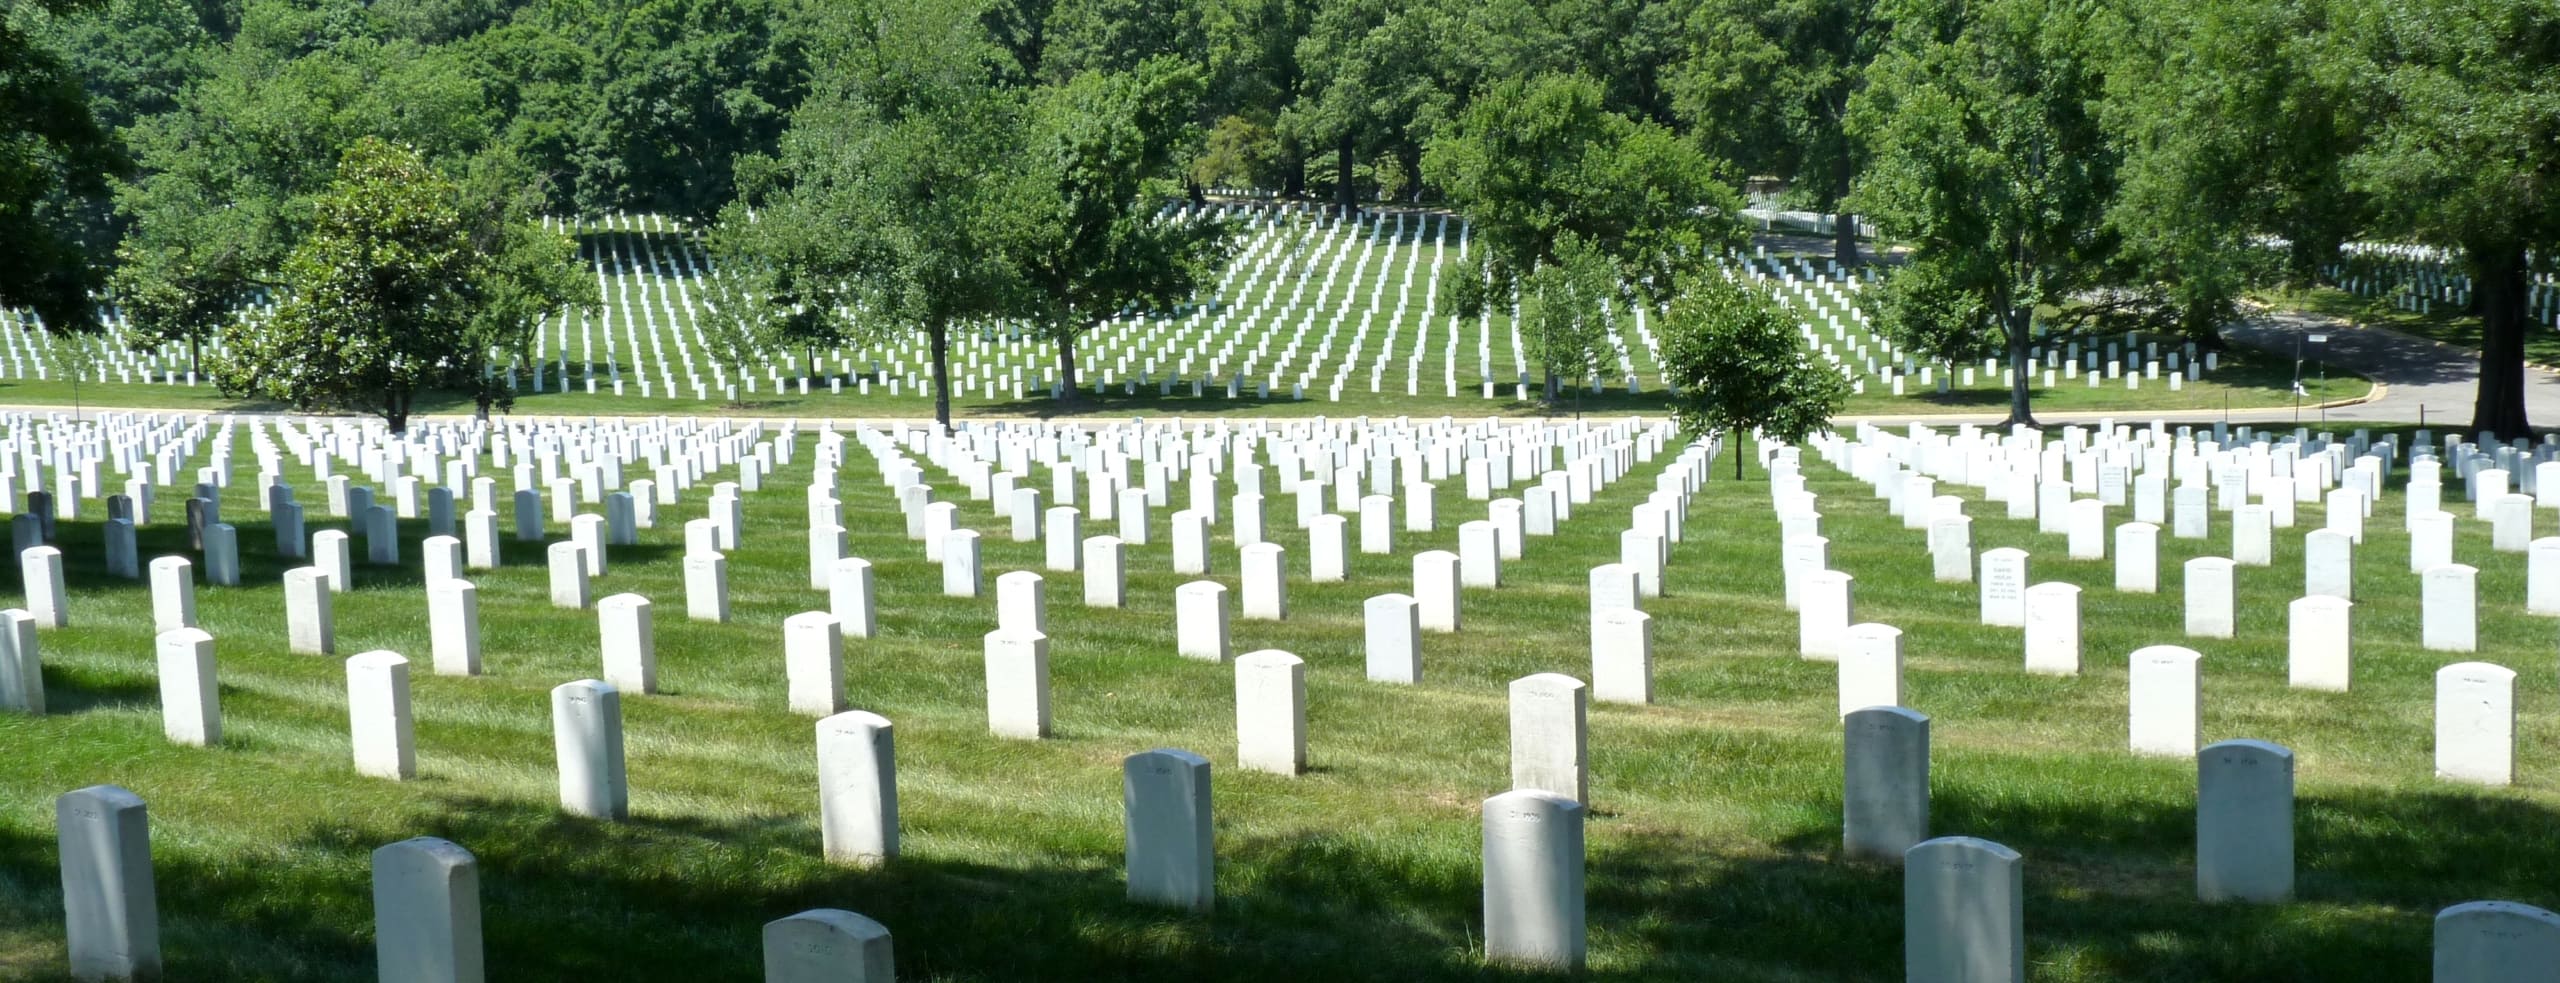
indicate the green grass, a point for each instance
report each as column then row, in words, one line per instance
column 2246, row 379
column 2447, row 323
column 1713, row 849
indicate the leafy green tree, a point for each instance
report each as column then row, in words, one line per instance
column 1768, row 86
column 891, row 190
column 1370, row 83
column 1985, row 155
column 1565, row 308
column 1735, row 363
column 526, row 274
column 1088, row 233
column 2463, row 104
column 741, row 318
column 51, row 149
column 1250, row 55
column 173, row 289
column 231, row 175
column 377, row 305
column 1534, row 164
column 2231, row 133
column 684, row 88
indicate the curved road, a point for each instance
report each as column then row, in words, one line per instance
column 2421, row 379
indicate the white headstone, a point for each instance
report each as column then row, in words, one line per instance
column 813, row 662
column 2449, row 609
column 1018, row 684
column 1392, row 626
column 1170, row 850
column 2244, row 822
column 2316, row 654
column 1885, row 781
column 111, row 910
column 1533, row 880
column 2053, row 629
column 2209, row 586
column 1550, row 737
column 426, row 913
column 190, row 701
column 827, row 945
column 1200, row 620
column 2165, row 702
column 586, row 740
column 379, row 722
column 2476, row 723
column 1963, row 912
column 1823, row 615
column 1271, row 712
column 857, row 788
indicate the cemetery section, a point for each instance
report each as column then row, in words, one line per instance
column 1161, row 700
column 1314, row 315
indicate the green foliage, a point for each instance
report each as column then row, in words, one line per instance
column 1085, row 223
column 51, row 148
column 1535, row 165
column 2464, row 104
column 741, row 318
column 1769, row 85
column 1986, row 157
column 527, row 274
column 2228, row 131
column 1736, row 363
column 1565, row 308
column 1238, row 152
column 377, row 305
column 890, row 190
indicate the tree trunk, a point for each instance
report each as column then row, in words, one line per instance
column 1293, row 172
column 1067, row 393
column 1735, row 448
column 813, row 364
column 195, row 347
column 1844, row 226
column 1342, row 173
column 2021, row 367
column 395, row 411
column 940, row 332
column 2498, row 280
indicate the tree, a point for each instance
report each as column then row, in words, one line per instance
column 2459, row 152
column 1735, row 363
column 2230, row 134
column 1536, row 163
column 888, row 194
column 684, row 88
column 740, row 320
column 377, row 302
column 51, row 148
column 1565, row 309
column 526, row 274
column 1088, row 232
column 1986, row 156
column 1768, row 86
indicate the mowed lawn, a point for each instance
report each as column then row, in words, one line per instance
column 1713, row 844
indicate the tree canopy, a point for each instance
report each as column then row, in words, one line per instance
column 1736, row 363
column 2027, row 165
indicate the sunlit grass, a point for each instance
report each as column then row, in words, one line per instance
column 1713, row 847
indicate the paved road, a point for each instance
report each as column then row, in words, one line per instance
column 2421, row 379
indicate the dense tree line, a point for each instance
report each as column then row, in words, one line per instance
column 2046, row 162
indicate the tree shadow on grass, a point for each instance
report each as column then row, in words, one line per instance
column 685, row 899
column 2111, row 887
column 2109, row 896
